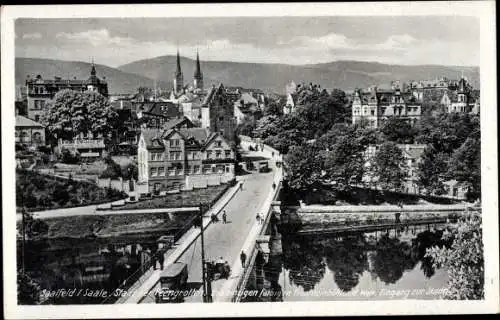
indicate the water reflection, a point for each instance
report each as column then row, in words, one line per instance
column 362, row 260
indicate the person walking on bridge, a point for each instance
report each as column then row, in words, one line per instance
column 243, row 258
column 224, row 217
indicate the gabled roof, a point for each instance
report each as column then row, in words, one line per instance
column 212, row 93
column 201, row 135
column 175, row 122
column 26, row 122
column 152, row 135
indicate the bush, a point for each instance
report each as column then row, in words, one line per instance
column 69, row 157
column 113, row 169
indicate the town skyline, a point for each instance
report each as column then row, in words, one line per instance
column 293, row 40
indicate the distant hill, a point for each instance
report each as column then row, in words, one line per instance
column 118, row 81
column 345, row 75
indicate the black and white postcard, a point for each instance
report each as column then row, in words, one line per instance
column 249, row 159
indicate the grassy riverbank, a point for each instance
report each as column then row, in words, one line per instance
column 115, row 225
column 42, row 192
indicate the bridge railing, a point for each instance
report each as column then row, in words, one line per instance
column 240, row 287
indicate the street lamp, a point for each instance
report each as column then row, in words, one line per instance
column 207, row 287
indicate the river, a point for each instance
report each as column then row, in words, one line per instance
column 87, row 270
column 382, row 265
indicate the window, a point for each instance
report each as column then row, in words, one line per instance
column 197, row 169
column 172, row 142
column 218, row 154
column 154, row 172
column 171, row 171
column 39, row 104
column 180, row 171
column 161, row 171
column 207, row 168
column 227, row 153
column 37, row 118
column 177, row 156
column 221, row 118
column 177, row 142
column 189, row 169
column 209, row 154
column 372, row 112
column 218, row 144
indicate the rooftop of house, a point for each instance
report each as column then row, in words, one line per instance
column 412, row 151
column 212, row 93
column 174, row 122
column 201, row 135
column 152, row 138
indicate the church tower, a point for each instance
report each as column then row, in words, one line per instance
column 198, row 76
column 178, row 78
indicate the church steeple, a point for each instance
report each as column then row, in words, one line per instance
column 178, row 70
column 178, row 77
column 198, row 76
column 92, row 71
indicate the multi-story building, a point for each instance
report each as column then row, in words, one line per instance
column 375, row 106
column 40, row 91
column 183, row 158
column 217, row 113
column 462, row 100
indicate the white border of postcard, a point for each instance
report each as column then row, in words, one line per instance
column 484, row 10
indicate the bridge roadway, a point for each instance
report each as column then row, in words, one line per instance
column 227, row 240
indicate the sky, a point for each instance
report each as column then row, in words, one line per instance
column 410, row 40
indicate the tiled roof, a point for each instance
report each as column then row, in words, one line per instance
column 201, row 135
column 212, row 93
column 150, row 135
column 25, row 122
column 172, row 123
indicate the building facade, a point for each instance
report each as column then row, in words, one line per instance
column 29, row 132
column 40, row 91
column 183, row 158
column 217, row 113
column 374, row 107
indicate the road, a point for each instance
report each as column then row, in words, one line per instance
column 226, row 240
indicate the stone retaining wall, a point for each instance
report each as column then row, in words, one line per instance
column 343, row 218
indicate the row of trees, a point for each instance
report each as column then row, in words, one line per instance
column 320, row 145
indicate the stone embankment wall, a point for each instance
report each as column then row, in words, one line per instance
column 372, row 214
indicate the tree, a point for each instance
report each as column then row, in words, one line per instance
column 266, row 126
column 398, row 130
column 28, row 291
column 464, row 260
column 304, row 167
column 389, row 166
column 465, row 165
column 71, row 113
column 246, row 127
column 432, row 170
column 344, row 164
column 103, row 119
column 113, row 169
column 273, row 107
column 284, row 140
